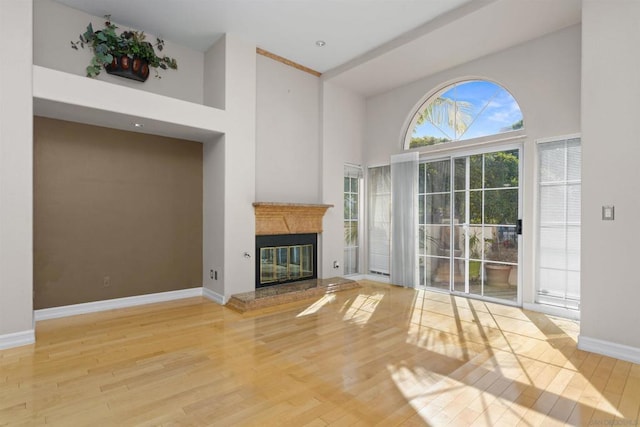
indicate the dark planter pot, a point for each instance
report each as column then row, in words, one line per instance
column 129, row 68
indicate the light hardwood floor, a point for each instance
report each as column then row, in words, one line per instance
column 379, row 355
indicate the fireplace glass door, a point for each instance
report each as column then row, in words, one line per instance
column 285, row 258
column 285, row 263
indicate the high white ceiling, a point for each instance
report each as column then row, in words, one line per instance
column 289, row 28
column 371, row 45
column 472, row 31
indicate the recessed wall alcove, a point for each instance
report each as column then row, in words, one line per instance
column 65, row 96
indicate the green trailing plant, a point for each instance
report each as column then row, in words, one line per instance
column 107, row 44
column 474, row 246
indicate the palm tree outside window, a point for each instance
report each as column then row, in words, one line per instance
column 462, row 111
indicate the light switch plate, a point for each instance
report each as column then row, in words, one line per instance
column 608, row 213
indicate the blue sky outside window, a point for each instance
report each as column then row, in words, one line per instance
column 466, row 110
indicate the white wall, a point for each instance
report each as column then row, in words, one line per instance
column 287, row 134
column 16, row 174
column 343, row 117
column 610, row 153
column 214, row 170
column 214, row 75
column 240, row 166
column 306, row 130
column 229, row 171
column 213, row 195
column 52, row 49
column 543, row 76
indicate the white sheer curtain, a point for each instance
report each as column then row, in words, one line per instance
column 404, row 190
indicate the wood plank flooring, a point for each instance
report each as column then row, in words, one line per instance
column 378, row 355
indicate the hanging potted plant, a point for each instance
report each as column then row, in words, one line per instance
column 127, row 54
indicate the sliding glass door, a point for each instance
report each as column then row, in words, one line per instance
column 468, row 225
column 434, row 224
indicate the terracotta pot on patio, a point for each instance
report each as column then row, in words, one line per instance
column 498, row 274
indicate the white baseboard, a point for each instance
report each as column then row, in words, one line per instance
column 608, row 348
column 92, row 307
column 377, row 278
column 552, row 311
column 17, row 339
column 213, row 296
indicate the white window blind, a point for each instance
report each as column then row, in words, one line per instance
column 379, row 224
column 559, row 189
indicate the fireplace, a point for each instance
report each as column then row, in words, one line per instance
column 285, row 258
column 287, row 242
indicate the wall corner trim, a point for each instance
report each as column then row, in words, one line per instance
column 213, row 296
column 608, row 348
column 96, row 306
column 17, row 339
column 288, row 62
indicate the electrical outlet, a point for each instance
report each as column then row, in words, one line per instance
column 211, row 274
column 106, row 282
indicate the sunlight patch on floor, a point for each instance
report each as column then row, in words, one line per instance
column 362, row 308
column 316, row 306
column 413, row 382
column 426, row 392
column 480, row 394
column 518, row 365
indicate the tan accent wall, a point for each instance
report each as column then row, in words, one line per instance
column 117, row 213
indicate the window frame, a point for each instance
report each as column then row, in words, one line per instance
column 353, row 172
column 411, row 122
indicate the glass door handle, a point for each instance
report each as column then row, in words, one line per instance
column 519, row 227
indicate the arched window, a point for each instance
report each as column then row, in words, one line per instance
column 464, row 110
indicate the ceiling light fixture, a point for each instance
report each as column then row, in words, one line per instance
column 320, row 43
column 138, row 125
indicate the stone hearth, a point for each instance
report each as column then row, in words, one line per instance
column 288, row 292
